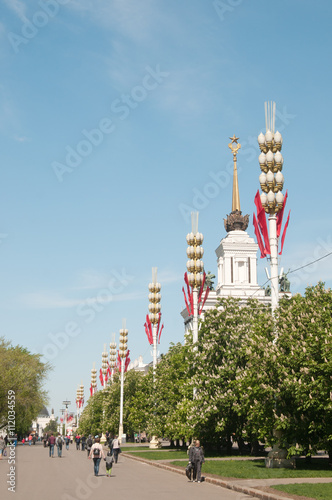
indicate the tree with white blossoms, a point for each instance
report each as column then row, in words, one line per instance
column 230, row 336
column 304, row 369
column 164, row 417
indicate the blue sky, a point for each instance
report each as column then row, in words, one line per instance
column 115, row 123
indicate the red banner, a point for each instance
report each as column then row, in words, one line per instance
column 259, row 238
column 280, row 216
column 261, row 218
column 284, row 234
column 101, row 377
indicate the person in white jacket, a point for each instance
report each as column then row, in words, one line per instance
column 97, row 454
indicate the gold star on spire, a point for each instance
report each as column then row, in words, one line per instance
column 234, row 139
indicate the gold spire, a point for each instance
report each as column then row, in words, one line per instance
column 236, row 194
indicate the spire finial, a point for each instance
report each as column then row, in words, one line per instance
column 236, row 195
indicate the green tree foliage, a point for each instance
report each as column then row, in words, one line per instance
column 102, row 412
column 24, row 373
column 52, row 426
column 91, row 420
column 226, row 379
column 304, row 369
column 252, row 374
column 167, row 416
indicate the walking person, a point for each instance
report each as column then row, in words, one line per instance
column 109, row 463
column 116, row 448
column 89, row 444
column 97, row 454
column 196, row 457
column 67, row 441
column 51, row 443
column 59, row 443
column 83, row 441
column 77, row 441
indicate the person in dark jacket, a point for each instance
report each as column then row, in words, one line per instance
column 51, row 443
column 196, row 457
column 83, row 441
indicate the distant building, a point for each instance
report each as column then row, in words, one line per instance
column 42, row 420
column 139, row 366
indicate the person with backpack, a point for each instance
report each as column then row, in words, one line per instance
column 97, row 454
column 196, row 458
column 59, row 443
column 89, row 444
column 109, row 463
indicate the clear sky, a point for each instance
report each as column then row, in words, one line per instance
column 115, row 123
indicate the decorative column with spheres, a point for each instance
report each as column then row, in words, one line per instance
column 195, row 267
column 154, row 313
column 271, row 180
column 122, row 354
column 93, row 379
column 112, row 356
column 79, row 401
column 104, row 365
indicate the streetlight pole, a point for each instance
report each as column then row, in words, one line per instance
column 61, row 424
column 93, row 378
column 104, row 368
column 271, row 181
column 66, row 403
column 79, row 401
column 154, row 315
column 195, row 268
column 104, row 364
column 122, row 354
column 154, row 318
column 112, row 356
column 272, row 200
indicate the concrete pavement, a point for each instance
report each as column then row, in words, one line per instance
column 36, row 476
column 71, row 478
column 257, row 488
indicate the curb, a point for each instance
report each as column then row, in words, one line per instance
column 217, row 482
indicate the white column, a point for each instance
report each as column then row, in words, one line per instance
column 154, row 352
column 121, row 399
column 274, row 262
column 195, row 315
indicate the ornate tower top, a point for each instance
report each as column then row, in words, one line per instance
column 235, row 220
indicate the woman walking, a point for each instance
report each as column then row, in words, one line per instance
column 97, row 454
column 116, row 448
column 196, row 457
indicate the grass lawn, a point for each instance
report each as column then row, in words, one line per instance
column 159, row 454
column 319, row 491
column 255, row 469
column 134, row 448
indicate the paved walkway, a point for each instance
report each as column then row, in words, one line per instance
column 71, row 478
column 257, row 488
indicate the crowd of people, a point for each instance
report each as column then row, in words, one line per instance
column 95, row 451
column 91, row 445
